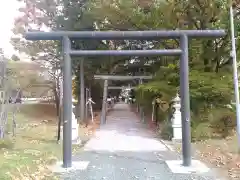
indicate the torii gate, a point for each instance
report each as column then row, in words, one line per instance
column 106, row 78
column 183, row 35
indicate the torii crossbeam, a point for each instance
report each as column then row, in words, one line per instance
column 120, row 78
column 119, row 87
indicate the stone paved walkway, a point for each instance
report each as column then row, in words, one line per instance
column 124, row 149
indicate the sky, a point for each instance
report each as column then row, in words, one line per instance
column 8, row 12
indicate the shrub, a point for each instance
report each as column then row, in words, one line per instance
column 166, row 130
column 209, row 93
column 224, row 121
column 201, row 132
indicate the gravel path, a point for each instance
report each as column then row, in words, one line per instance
column 124, row 149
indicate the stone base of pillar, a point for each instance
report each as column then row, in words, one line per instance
column 177, row 133
column 176, row 141
column 75, row 137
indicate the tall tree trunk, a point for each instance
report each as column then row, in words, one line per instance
column 58, row 111
column 59, row 125
column 14, row 123
column 206, row 55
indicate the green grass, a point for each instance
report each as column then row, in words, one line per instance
column 27, row 155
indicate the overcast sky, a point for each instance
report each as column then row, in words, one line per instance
column 8, row 11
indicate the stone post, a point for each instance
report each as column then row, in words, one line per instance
column 176, row 119
column 75, row 136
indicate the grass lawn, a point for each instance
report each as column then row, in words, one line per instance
column 26, row 156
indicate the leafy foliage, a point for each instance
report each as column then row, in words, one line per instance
column 210, row 78
column 210, row 74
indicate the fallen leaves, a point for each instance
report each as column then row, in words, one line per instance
column 32, row 152
column 41, row 173
column 220, row 154
column 35, row 149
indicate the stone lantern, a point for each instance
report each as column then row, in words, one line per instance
column 176, row 119
column 75, row 138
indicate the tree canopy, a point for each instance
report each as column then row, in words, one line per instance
column 211, row 83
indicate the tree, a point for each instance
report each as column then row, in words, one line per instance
column 208, row 58
column 75, row 17
column 21, row 77
column 47, row 14
column 15, row 58
column 40, row 15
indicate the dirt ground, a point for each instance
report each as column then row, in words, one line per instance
column 220, row 154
